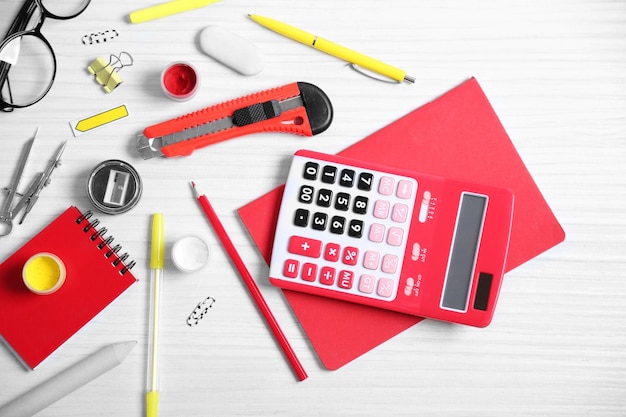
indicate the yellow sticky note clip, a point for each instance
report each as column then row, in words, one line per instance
column 107, row 72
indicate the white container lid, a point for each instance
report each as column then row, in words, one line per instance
column 190, row 253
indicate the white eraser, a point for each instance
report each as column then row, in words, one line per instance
column 231, row 50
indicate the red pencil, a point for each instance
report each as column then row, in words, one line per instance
column 250, row 283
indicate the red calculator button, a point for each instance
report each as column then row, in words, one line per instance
column 309, row 271
column 345, row 279
column 290, row 270
column 350, row 255
column 331, row 253
column 327, row 276
column 304, row 246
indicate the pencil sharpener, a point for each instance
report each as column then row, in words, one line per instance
column 114, row 187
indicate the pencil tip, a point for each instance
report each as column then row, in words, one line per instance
column 193, row 184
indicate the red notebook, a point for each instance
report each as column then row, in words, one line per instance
column 458, row 135
column 34, row 326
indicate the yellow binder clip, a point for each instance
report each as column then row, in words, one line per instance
column 107, row 73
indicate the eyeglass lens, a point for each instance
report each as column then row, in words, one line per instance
column 27, row 62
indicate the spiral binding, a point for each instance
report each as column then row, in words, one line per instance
column 106, row 242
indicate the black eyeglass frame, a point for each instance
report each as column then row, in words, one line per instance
column 18, row 29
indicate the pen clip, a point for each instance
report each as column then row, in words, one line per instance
column 370, row 74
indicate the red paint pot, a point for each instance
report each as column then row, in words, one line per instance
column 179, row 81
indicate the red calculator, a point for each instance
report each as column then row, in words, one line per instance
column 395, row 239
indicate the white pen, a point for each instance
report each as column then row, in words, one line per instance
column 68, row 380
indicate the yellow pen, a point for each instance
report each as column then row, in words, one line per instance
column 167, row 9
column 157, row 263
column 334, row 49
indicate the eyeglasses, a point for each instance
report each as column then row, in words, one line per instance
column 27, row 61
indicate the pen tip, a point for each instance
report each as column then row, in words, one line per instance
column 193, row 184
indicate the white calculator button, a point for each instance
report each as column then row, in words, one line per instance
column 386, row 185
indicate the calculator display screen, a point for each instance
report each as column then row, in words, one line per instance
column 465, row 245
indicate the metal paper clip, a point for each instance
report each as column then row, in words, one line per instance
column 30, row 197
column 201, row 309
column 107, row 73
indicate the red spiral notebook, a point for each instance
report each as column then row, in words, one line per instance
column 458, row 135
column 34, row 326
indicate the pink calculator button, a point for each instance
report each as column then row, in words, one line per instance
column 377, row 233
column 371, row 259
column 390, row 264
column 290, row 270
column 304, row 246
column 366, row 284
column 381, row 209
column 399, row 213
column 385, row 187
column 394, row 237
column 309, row 271
column 405, row 189
column 345, row 279
column 384, row 287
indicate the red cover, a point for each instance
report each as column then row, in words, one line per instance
column 34, row 325
column 458, row 135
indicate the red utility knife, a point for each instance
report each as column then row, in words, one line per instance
column 299, row 108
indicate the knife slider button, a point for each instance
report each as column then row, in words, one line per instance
column 256, row 113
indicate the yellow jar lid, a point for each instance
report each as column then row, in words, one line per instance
column 44, row 273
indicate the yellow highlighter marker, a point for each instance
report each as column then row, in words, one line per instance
column 167, row 9
column 157, row 263
column 336, row 50
column 99, row 119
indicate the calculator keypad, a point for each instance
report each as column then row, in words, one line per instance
column 343, row 228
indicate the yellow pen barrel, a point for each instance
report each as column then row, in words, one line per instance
column 360, row 59
column 284, row 29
